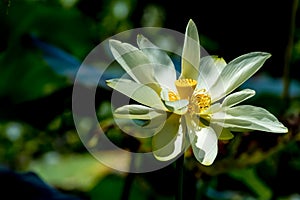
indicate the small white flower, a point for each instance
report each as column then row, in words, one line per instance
column 201, row 105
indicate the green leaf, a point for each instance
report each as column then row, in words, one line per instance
column 164, row 69
column 246, row 117
column 69, row 35
column 33, row 80
column 168, row 142
column 249, row 177
column 111, row 186
column 138, row 92
column 133, row 61
column 191, row 52
column 63, row 172
column 237, row 97
column 236, row 73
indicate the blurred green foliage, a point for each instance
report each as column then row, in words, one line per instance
column 37, row 131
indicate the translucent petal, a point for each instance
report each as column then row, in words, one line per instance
column 139, row 121
column 204, row 143
column 138, row 92
column 247, row 117
column 226, row 135
column 134, row 111
column 133, row 61
column 210, row 69
column 237, row 97
column 222, row 133
column 190, row 60
column 164, row 69
column 237, row 72
column 212, row 109
column 179, row 107
column 168, row 143
column 164, row 94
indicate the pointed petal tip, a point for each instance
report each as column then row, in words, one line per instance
column 140, row 36
column 207, row 163
column 191, row 21
column 285, row 130
column 192, row 25
column 113, row 41
column 266, row 54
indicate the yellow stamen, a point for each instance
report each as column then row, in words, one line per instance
column 200, row 101
column 172, row 96
column 185, row 87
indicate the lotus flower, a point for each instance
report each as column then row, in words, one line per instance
column 196, row 108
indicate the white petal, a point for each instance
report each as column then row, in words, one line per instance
column 204, row 143
column 134, row 111
column 164, row 69
column 246, row 117
column 213, row 109
column 237, row 97
column 139, row 121
column 222, row 133
column 168, row 143
column 133, row 61
column 138, row 92
column 179, row 107
column 236, row 73
column 190, row 60
column 209, row 71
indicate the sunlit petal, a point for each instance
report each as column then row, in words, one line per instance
column 164, row 69
column 135, row 111
column 138, row 120
column 247, row 117
column 190, row 60
column 237, row 72
column 237, row 97
column 133, row 61
column 204, row 144
column 209, row 71
column 179, row 107
column 221, row 132
column 138, row 92
column 168, row 143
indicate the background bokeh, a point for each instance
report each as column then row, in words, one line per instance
column 42, row 44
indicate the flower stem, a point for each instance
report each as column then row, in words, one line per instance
column 127, row 185
column 288, row 50
column 179, row 174
column 128, row 181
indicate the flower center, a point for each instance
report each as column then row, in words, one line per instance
column 185, row 87
column 200, row 101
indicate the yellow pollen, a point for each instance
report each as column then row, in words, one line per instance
column 185, row 87
column 172, row 96
column 200, row 101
